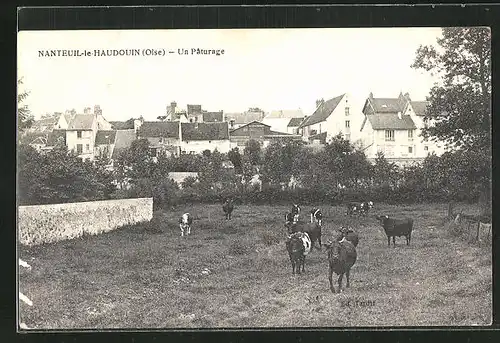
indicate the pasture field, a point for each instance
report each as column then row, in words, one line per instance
column 237, row 274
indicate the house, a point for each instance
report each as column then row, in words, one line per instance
column 293, row 125
column 238, row 119
column 280, row 119
column 64, row 119
column 174, row 113
column 104, row 143
column 212, row 117
column 416, row 109
column 289, row 114
column 45, row 124
column 123, row 140
column 198, row 137
column 338, row 115
column 392, row 126
column 179, row 177
column 82, row 131
column 163, row 137
column 260, row 132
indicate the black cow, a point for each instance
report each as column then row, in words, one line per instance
column 313, row 230
column 348, row 234
column 341, row 257
column 396, row 227
column 316, row 216
column 298, row 246
column 228, row 208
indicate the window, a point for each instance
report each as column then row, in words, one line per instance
column 347, row 123
column 410, row 135
column 389, row 135
column 160, row 139
column 79, row 148
column 79, row 134
column 347, row 136
column 347, row 111
column 410, row 150
column 87, row 147
column 426, row 148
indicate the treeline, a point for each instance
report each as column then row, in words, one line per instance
column 335, row 174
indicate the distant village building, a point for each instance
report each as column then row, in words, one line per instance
column 392, row 126
column 338, row 115
column 259, row 132
column 238, row 119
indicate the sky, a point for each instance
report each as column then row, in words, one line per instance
column 271, row 69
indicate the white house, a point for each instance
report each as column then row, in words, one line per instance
column 416, row 109
column 339, row 115
column 392, row 126
column 82, row 131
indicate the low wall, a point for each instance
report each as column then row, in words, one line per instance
column 51, row 223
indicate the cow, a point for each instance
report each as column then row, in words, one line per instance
column 312, row 229
column 316, row 216
column 341, row 257
column 352, row 208
column 349, row 235
column 185, row 222
column 298, row 246
column 295, row 212
column 228, row 207
column 396, row 227
column 365, row 207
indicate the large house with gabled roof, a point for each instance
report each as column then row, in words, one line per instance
column 392, row 126
column 338, row 115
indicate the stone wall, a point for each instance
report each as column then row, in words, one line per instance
column 52, row 223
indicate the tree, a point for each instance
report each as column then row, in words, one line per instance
column 24, row 116
column 460, row 107
column 253, row 151
column 235, row 157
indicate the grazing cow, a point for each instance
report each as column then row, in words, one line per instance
column 298, row 246
column 317, row 216
column 228, row 207
column 396, row 227
column 295, row 212
column 359, row 207
column 185, row 222
column 313, row 230
column 341, row 257
column 349, row 235
column 365, row 207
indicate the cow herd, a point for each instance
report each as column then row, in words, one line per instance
column 302, row 236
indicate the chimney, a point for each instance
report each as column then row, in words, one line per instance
column 173, row 105
column 370, row 95
column 399, row 114
column 87, row 110
column 97, row 110
column 231, row 123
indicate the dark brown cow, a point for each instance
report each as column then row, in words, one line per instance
column 341, row 257
column 396, row 227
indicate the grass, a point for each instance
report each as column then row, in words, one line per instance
column 237, row 274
